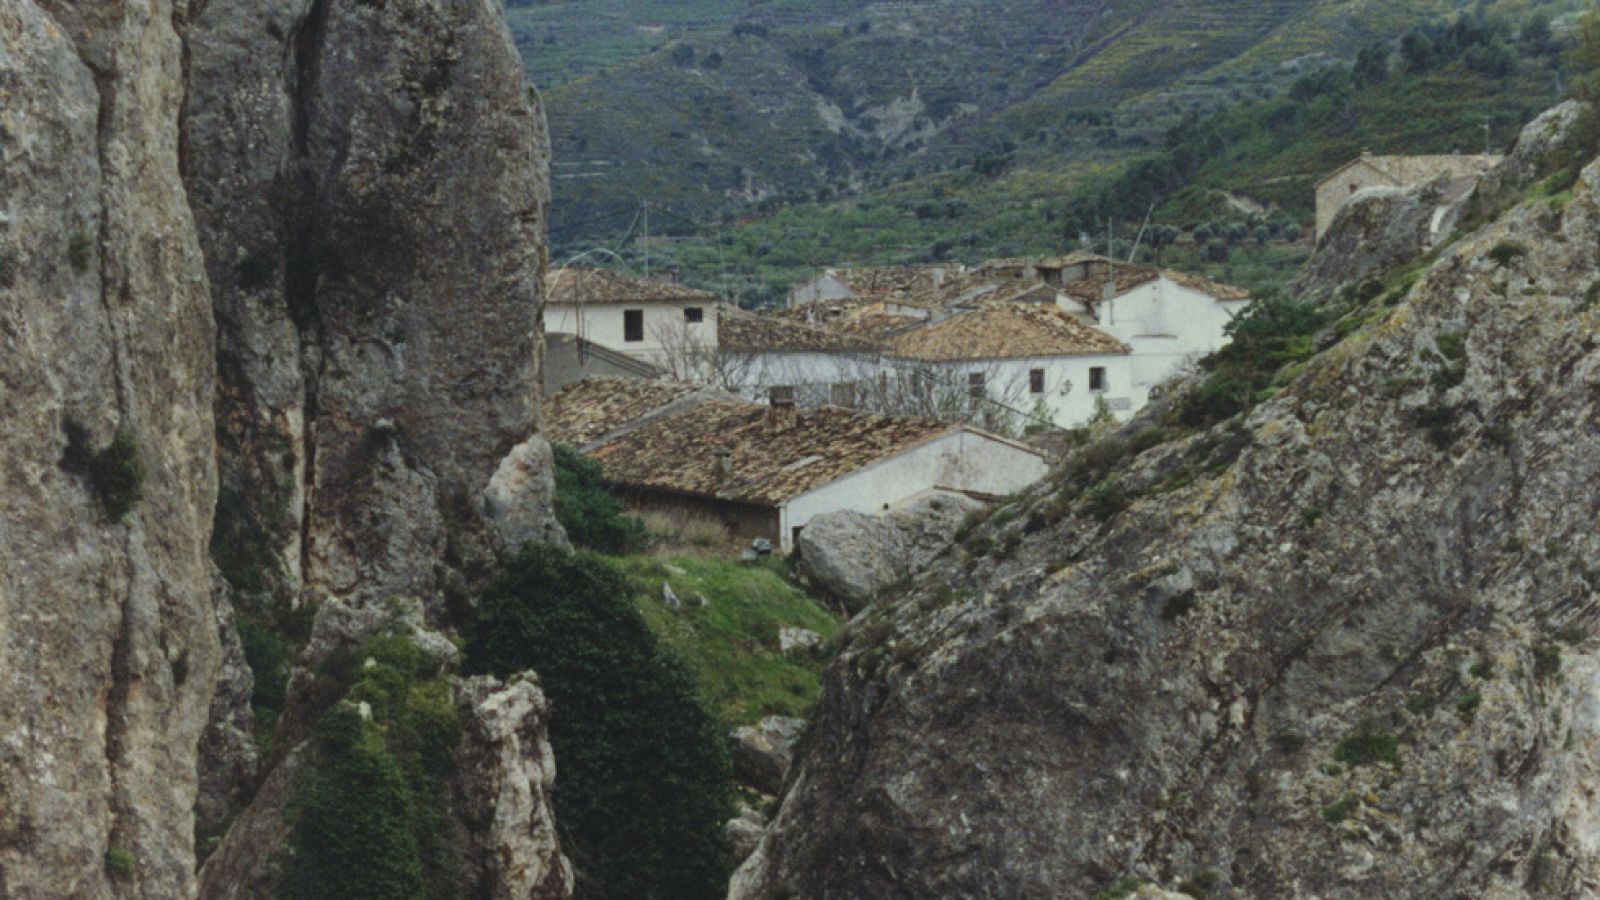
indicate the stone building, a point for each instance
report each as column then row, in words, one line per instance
column 1398, row 172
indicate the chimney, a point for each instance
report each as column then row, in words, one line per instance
column 722, row 469
column 781, row 411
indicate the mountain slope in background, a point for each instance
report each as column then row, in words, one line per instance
column 714, row 108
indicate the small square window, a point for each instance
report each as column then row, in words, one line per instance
column 633, row 325
column 1036, row 381
column 975, row 384
column 1097, row 378
column 694, row 315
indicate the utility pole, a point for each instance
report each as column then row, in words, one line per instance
column 647, row 238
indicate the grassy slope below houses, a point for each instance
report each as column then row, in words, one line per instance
column 732, row 643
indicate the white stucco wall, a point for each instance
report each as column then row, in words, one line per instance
column 1168, row 326
column 964, row 460
column 602, row 323
column 823, row 287
column 1066, row 393
column 812, row 374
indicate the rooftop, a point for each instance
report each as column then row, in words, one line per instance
column 1005, row 331
column 744, row 332
column 880, row 280
column 584, row 412
column 570, row 287
column 773, row 455
column 1413, row 169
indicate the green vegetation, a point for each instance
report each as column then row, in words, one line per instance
column 1271, row 334
column 732, row 641
column 115, row 472
column 369, row 809
column 1507, row 252
column 644, row 786
column 119, row 862
column 1340, row 809
column 1546, row 662
column 593, row 519
column 1467, row 706
column 1202, row 884
column 80, row 251
column 1368, row 745
column 1121, row 890
column 269, row 657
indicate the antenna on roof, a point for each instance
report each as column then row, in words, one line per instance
column 646, row 240
column 1140, row 236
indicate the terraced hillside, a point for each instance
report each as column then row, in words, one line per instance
column 734, row 114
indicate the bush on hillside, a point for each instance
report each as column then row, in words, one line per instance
column 644, row 774
column 592, row 517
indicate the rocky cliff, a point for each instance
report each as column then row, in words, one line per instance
column 274, row 267
column 1337, row 647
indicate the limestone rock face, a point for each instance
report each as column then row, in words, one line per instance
column 505, row 772
column 761, row 753
column 370, row 180
column 108, row 641
column 852, row 556
column 1356, row 660
column 228, row 760
column 1375, row 231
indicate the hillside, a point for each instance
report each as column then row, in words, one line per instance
column 782, row 103
column 1253, row 162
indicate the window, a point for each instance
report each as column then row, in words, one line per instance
column 843, row 394
column 633, row 325
column 1036, row 381
column 694, row 315
column 975, row 384
column 1097, row 379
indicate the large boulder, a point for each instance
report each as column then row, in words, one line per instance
column 1352, row 656
column 852, row 556
column 761, row 753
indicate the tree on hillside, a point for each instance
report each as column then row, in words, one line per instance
column 1372, row 64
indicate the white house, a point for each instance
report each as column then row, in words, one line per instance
column 767, row 470
column 1168, row 319
column 819, row 366
column 653, row 321
column 1030, row 359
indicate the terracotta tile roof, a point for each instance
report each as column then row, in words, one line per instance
column 773, row 455
column 877, row 281
column 1207, row 286
column 874, row 325
column 745, row 332
column 588, row 410
column 1092, row 288
column 568, row 287
column 1005, row 331
column 1407, row 170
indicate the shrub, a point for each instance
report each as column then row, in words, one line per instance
column 1367, row 745
column 267, row 654
column 643, row 790
column 119, row 862
column 593, row 519
column 1506, row 252
column 1467, row 706
column 370, row 808
column 1546, row 662
column 1340, row 809
column 80, row 249
column 115, row 473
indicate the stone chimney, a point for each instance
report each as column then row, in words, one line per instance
column 782, row 410
column 722, row 470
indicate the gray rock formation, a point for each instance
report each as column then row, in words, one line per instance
column 300, row 242
column 505, row 772
column 1353, row 660
column 761, row 753
column 1377, row 230
column 852, row 556
column 108, row 641
column 744, row 833
column 370, row 184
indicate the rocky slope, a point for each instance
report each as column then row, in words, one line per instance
column 296, row 248
column 1338, row 648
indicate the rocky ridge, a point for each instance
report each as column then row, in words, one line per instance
column 274, row 268
column 1340, row 647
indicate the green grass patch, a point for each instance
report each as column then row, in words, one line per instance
column 731, row 643
column 1369, row 744
column 1341, row 809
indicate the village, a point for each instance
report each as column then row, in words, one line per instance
column 876, row 387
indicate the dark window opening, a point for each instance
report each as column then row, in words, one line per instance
column 1036, row 381
column 975, row 384
column 694, row 315
column 633, row 325
column 1097, row 378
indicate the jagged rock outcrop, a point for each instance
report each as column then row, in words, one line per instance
column 1348, row 655
column 300, row 242
column 505, row 772
column 761, row 753
column 1377, row 230
column 851, row 556
column 108, row 643
column 500, row 813
column 370, row 182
